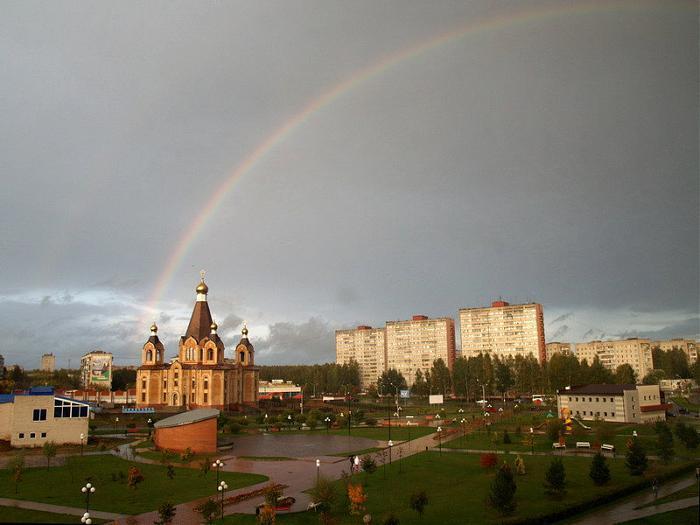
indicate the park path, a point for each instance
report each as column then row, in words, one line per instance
column 299, row 475
column 627, row 509
column 57, row 509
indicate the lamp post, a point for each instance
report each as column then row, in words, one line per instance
column 318, row 470
column 439, row 431
column 116, row 422
column 222, row 488
column 697, row 476
column 217, row 465
column 82, row 442
column 150, row 426
column 349, row 414
column 391, row 445
column 289, row 421
column 266, row 429
column 464, row 430
column 532, row 441
column 87, row 490
column 388, row 413
column 328, row 423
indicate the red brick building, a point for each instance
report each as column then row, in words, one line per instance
column 194, row 430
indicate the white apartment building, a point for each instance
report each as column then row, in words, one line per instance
column 555, row 347
column 618, row 403
column 366, row 346
column 503, row 330
column 687, row 345
column 414, row 344
column 634, row 351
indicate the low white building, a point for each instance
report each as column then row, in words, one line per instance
column 32, row 418
column 278, row 389
column 616, row 403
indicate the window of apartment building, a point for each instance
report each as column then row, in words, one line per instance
column 590, row 400
column 605, row 414
column 577, row 399
column 597, row 400
column 39, row 414
column 32, row 435
column 612, row 414
column 597, row 414
column 43, row 434
column 20, row 435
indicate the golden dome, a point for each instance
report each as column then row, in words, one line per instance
column 154, row 327
column 244, row 331
column 202, row 288
column 214, row 327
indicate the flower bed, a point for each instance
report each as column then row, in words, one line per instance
column 232, row 500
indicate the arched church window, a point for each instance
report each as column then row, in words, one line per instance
column 242, row 357
column 210, row 354
column 149, row 355
column 206, row 383
column 201, row 354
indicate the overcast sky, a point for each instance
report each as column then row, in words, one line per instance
column 552, row 159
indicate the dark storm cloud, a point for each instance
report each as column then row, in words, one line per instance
column 310, row 342
column 554, row 161
column 690, row 327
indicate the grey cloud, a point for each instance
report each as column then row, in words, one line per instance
column 560, row 332
column 310, row 342
column 687, row 328
column 230, row 322
column 561, row 318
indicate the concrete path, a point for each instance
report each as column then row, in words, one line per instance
column 57, row 509
column 628, row 508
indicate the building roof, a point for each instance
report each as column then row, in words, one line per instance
column 200, row 322
column 597, row 389
column 187, row 418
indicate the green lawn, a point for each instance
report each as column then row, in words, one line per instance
column 61, row 485
column 457, row 488
column 689, row 515
column 15, row 515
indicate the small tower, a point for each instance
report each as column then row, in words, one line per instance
column 153, row 351
column 245, row 354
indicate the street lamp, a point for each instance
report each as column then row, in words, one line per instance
column 328, row 423
column 116, row 422
column 265, row 422
column 221, row 488
column 439, row 431
column 634, row 433
column 289, row 420
column 532, row 441
column 318, row 470
column 217, row 465
column 82, row 442
column 150, row 426
column 87, row 490
column 391, row 444
column 464, row 429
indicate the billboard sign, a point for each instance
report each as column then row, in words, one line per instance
column 405, row 394
column 435, row 400
column 99, row 369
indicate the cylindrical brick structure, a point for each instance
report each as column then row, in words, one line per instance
column 195, row 429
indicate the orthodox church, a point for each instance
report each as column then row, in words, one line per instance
column 200, row 375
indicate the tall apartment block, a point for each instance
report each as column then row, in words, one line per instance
column 48, row 363
column 366, row 346
column 634, row 351
column 687, row 345
column 503, row 330
column 414, row 345
column 555, row 347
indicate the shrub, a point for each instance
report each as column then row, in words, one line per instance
column 506, row 437
column 391, row 520
column 418, row 501
column 599, row 473
column 135, row 477
column 488, row 460
column 272, row 494
column 170, row 472
column 554, row 428
column 371, row 422
column 664, row 441
column 368, row 464
column 234, row 428
column 208, row 510
column 324, row 493
column 555, row 478
column 502, row 492
column 357, row 497
column 166, row 513
column 688, row 435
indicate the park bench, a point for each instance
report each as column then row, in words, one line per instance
column 583, row 444
column 607, row 447
column 556, row 445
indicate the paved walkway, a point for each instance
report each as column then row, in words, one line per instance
column 57, row 509
column 628, row 508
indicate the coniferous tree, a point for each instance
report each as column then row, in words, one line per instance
column 600, row 472
column 555, row 478
column 502, row 493
column 664, row 441
column 636, row 459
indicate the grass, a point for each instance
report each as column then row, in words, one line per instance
column 457, row 489
column 17, row 515
column 689, row 515
column 61, row 485
column 173, row 458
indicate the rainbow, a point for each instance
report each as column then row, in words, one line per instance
column 476, row 26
